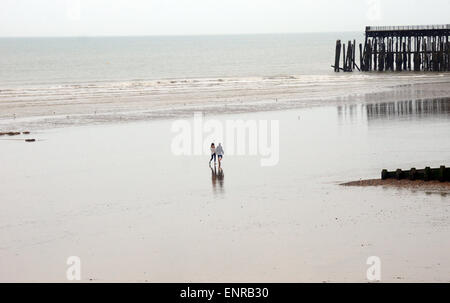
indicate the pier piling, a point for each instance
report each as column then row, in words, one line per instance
column 398, row 48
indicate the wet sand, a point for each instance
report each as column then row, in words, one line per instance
column 116, row 196
column 442, row 187
column 44, row 107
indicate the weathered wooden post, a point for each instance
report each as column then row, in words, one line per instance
column 354, row 54
column 442, row 176
column 417, row 56
column 348, row 68
column 369, row 56
column 447, row 56
column 337, row 59
column 382, row 56
column 343, row 57
column 434, row 55
column 361, row 64
column 375, row 58
column 398, row 51
column 427, row 176
column 390, row 55
column 405, row 57
column 409, row 53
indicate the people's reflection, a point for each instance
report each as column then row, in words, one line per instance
column 217, row 176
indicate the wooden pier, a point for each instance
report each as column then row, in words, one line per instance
column 397, row 48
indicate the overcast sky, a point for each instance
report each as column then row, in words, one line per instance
column 196, row 17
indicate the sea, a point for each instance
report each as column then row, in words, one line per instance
column 91, row 75
column 81, row 60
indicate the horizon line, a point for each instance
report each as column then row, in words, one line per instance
column 178, row 35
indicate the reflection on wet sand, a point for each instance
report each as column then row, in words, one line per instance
column 411, row 109
column 217, row 176
column 418, row 108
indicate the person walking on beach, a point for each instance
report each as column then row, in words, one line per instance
column 213, row 153
column 220, row 153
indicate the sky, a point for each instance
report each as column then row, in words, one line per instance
column 43, row 18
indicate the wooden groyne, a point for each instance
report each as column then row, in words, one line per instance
column 441, row 174
column 397, row 48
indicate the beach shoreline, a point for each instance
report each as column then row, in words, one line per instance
column 38, row 109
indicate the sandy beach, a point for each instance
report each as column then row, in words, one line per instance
column 114, row 194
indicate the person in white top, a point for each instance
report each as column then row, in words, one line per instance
column 213, row 153
column 220, row 152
